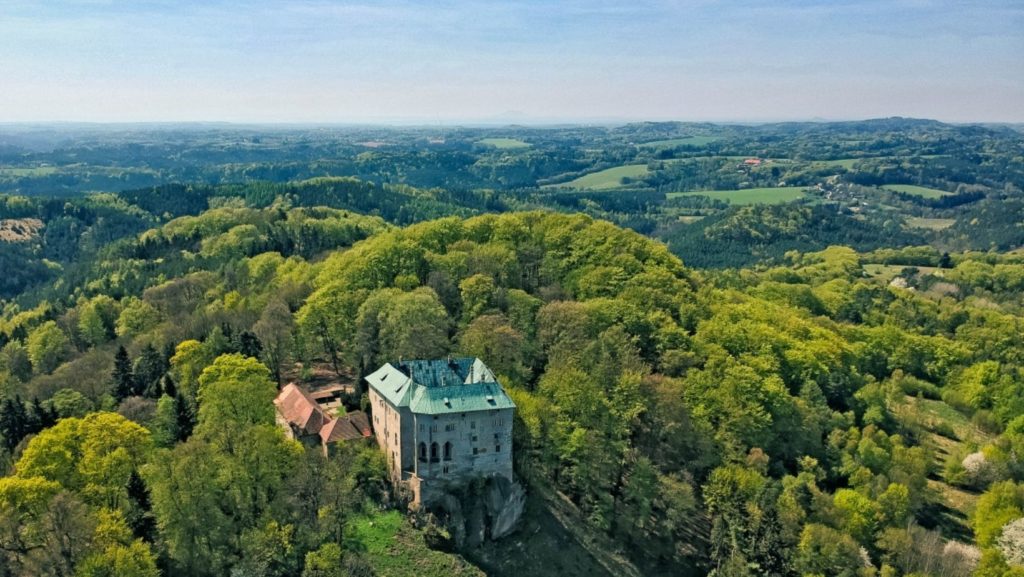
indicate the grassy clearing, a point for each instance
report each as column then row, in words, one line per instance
column 396, row 549
column 690, row 219
column 674, row 142
column 930, row 223
column 28, row 171
column 886, row 272
column 921, row 191
column 949, row 507
column 936, row 415
column 504, row 143
column 606, row 179
column 777, row 195
column 846, row 163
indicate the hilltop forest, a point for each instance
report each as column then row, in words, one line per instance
column 806, row 364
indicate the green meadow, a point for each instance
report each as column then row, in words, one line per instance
column 930, row 223
column 777, row 195
column 608, row 178
column 30, row 171
column 922, row 191
column 394, row 548
column 504, row 143
column 674, row 142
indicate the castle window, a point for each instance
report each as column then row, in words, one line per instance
column 497, row 448
column 445, row 469
column 423, row 452
column 433, row 453
column 474, row 450
column 472, row 424
column 450, row 427
column 474, row 438
column 448, row 451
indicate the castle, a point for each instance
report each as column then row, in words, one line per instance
column 440, row 422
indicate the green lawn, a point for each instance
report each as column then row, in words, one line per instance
column 776, row 195
column 922, row 191
column 930, row 223
column 606, row 179
column 504, row 143
column 674, row 142
column 395, row 549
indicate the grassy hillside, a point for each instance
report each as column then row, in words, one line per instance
column 775, row 195
column 504, row 143
column 607, row 179
column 922, row 191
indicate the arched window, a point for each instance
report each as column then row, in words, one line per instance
column 448, row 451
column 433, row 451
column 423, row 451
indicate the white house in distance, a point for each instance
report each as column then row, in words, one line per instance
column 440, row 422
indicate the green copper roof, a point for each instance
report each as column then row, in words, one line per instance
column 433, row 387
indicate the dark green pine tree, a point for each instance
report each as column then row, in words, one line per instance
column 46, row 416
column 13, row 422
column 945, row 261
column 140, row 518
column 186, row 418
column 168, row 387
column 124, row 382
column 249, row 344
column 150, row 368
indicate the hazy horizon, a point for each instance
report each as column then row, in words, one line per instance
column 316, row 62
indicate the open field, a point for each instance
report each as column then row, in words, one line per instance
column 776, row 195
column 606, row 179
column 29, row 171
column 504, row 143
column 930, row 223
column 672, row 143
column 846, row 163
column 886, row 272
column 921, row 191
column 394, row 548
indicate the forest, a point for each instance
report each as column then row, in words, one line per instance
column 817, row 387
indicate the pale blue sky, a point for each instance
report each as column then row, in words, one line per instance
column 523, row 60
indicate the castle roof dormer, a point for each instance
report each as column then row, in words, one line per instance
column 432, row 387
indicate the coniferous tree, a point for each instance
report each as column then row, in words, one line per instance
column 124, row 382
column 150, row 368
column 12, row 422
column 140, row 518
column 186, row 418
column 249, row 344
column 945, row 261
column 168, row 387
column 39, row 417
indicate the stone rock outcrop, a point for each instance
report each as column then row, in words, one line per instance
column 504, row 502
column 488, row 510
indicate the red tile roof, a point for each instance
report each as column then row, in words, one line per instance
column 354, row 425
column 300, row 410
